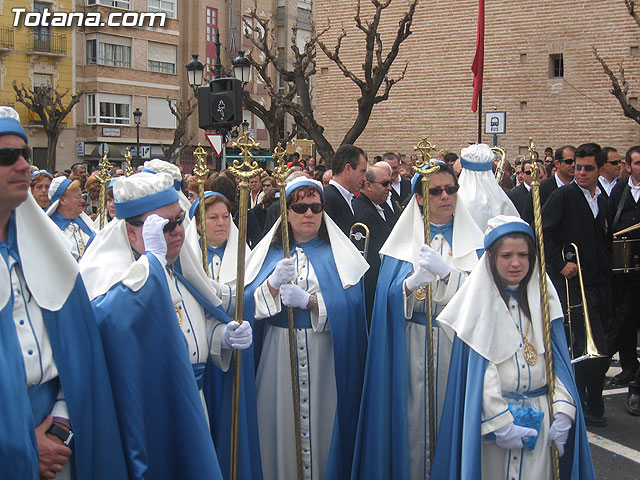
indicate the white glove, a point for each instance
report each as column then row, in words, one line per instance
column 559, row 431
column 510, row 436
column 217, row 287
column 153, row 237
column 237, row 335
column 293, row 296
column 430, row 265
column 284, row 272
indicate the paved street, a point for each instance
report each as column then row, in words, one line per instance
column 616, row 447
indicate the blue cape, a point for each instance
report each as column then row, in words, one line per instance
column 63, row 222
column 75, row 341
column 459, row 450
column 163, row 425
column 382, row 449
column 346, row 317
column 218, row 392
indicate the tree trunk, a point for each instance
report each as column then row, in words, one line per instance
column 52, row 143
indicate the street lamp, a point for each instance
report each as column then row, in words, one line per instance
column 195, row 71
column 137, row 115
column 241, row 67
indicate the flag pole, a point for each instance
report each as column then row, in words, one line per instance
column 480, row 116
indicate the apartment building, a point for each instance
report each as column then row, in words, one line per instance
column 36, row 56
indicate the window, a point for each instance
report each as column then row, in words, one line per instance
column 161, row 57
column 212, row 24
column 41, row 34
column 556, row 65
column 158, row 113
column 111, row 3
column 40, row 80
column 107, row 108
column 163, row 6
column 109, row 50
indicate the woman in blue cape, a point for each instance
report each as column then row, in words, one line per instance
column 496, row 423
column 326, row 295
column 393, row 433
column 222, row 252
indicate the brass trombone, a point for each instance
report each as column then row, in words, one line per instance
column 592, row 350
column 358, row 236
column 501, row 161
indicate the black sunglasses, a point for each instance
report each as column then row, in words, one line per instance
column 301, row 208
column 384, row 183
column 527, row 172
column 586, row 168
column 169, row 227
column 568, row 161
column 614, row 162
column 437, row 191
column 10, row 155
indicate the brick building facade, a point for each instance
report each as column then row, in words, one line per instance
column 523, row 44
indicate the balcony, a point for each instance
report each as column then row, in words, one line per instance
column 6, row 38
column 48, row 43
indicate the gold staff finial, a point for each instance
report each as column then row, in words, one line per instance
column 424, row 147
column 247, row 168
column 281, row 172
column 104, row 176
column 201, row 171
column 128, row 170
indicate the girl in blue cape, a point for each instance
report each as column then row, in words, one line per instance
column 322, row 282
column 496, row 423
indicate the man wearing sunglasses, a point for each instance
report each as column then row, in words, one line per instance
column 564, row 161
column 371, row 209
column 521, row 195
column 610, row 171
column 49, row 339
column 162, row 329
column 576, row 213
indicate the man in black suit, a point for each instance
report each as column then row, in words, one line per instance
column 610, row 171
column 624, row 212
column 349, row 165
column 401, row 187
column 368, row 209
column 576, row 213
column 521, row 195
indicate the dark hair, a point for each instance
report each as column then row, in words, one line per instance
column 492, row 252
column 224, row 185
column 75, row 166
column 631, row 151
column 548, row 151
column 606, row 150
column 591, row 150
column 450, row 157
column 390, row 156
column 560, row 151
column 443, row 169
column 295, row 196
column 346, row 154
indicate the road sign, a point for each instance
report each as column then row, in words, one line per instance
column 215, row 140
column 495, row 123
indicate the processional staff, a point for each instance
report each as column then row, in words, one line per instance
column 425, row 168
column 104, row 177
column 544, row 298
column 128, row 169
column 201, row 171
column 280, row 173
column 244, row 170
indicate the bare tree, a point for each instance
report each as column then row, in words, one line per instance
column 182, row 110
column 619, row 84
column 46, row 102
column 296, row 99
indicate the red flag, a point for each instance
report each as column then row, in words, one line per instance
column 478, row 60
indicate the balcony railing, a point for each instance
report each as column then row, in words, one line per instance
column 6, row 37
column 55, row 43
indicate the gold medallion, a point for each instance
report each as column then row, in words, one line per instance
column 529, row 353
column 420, row 293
